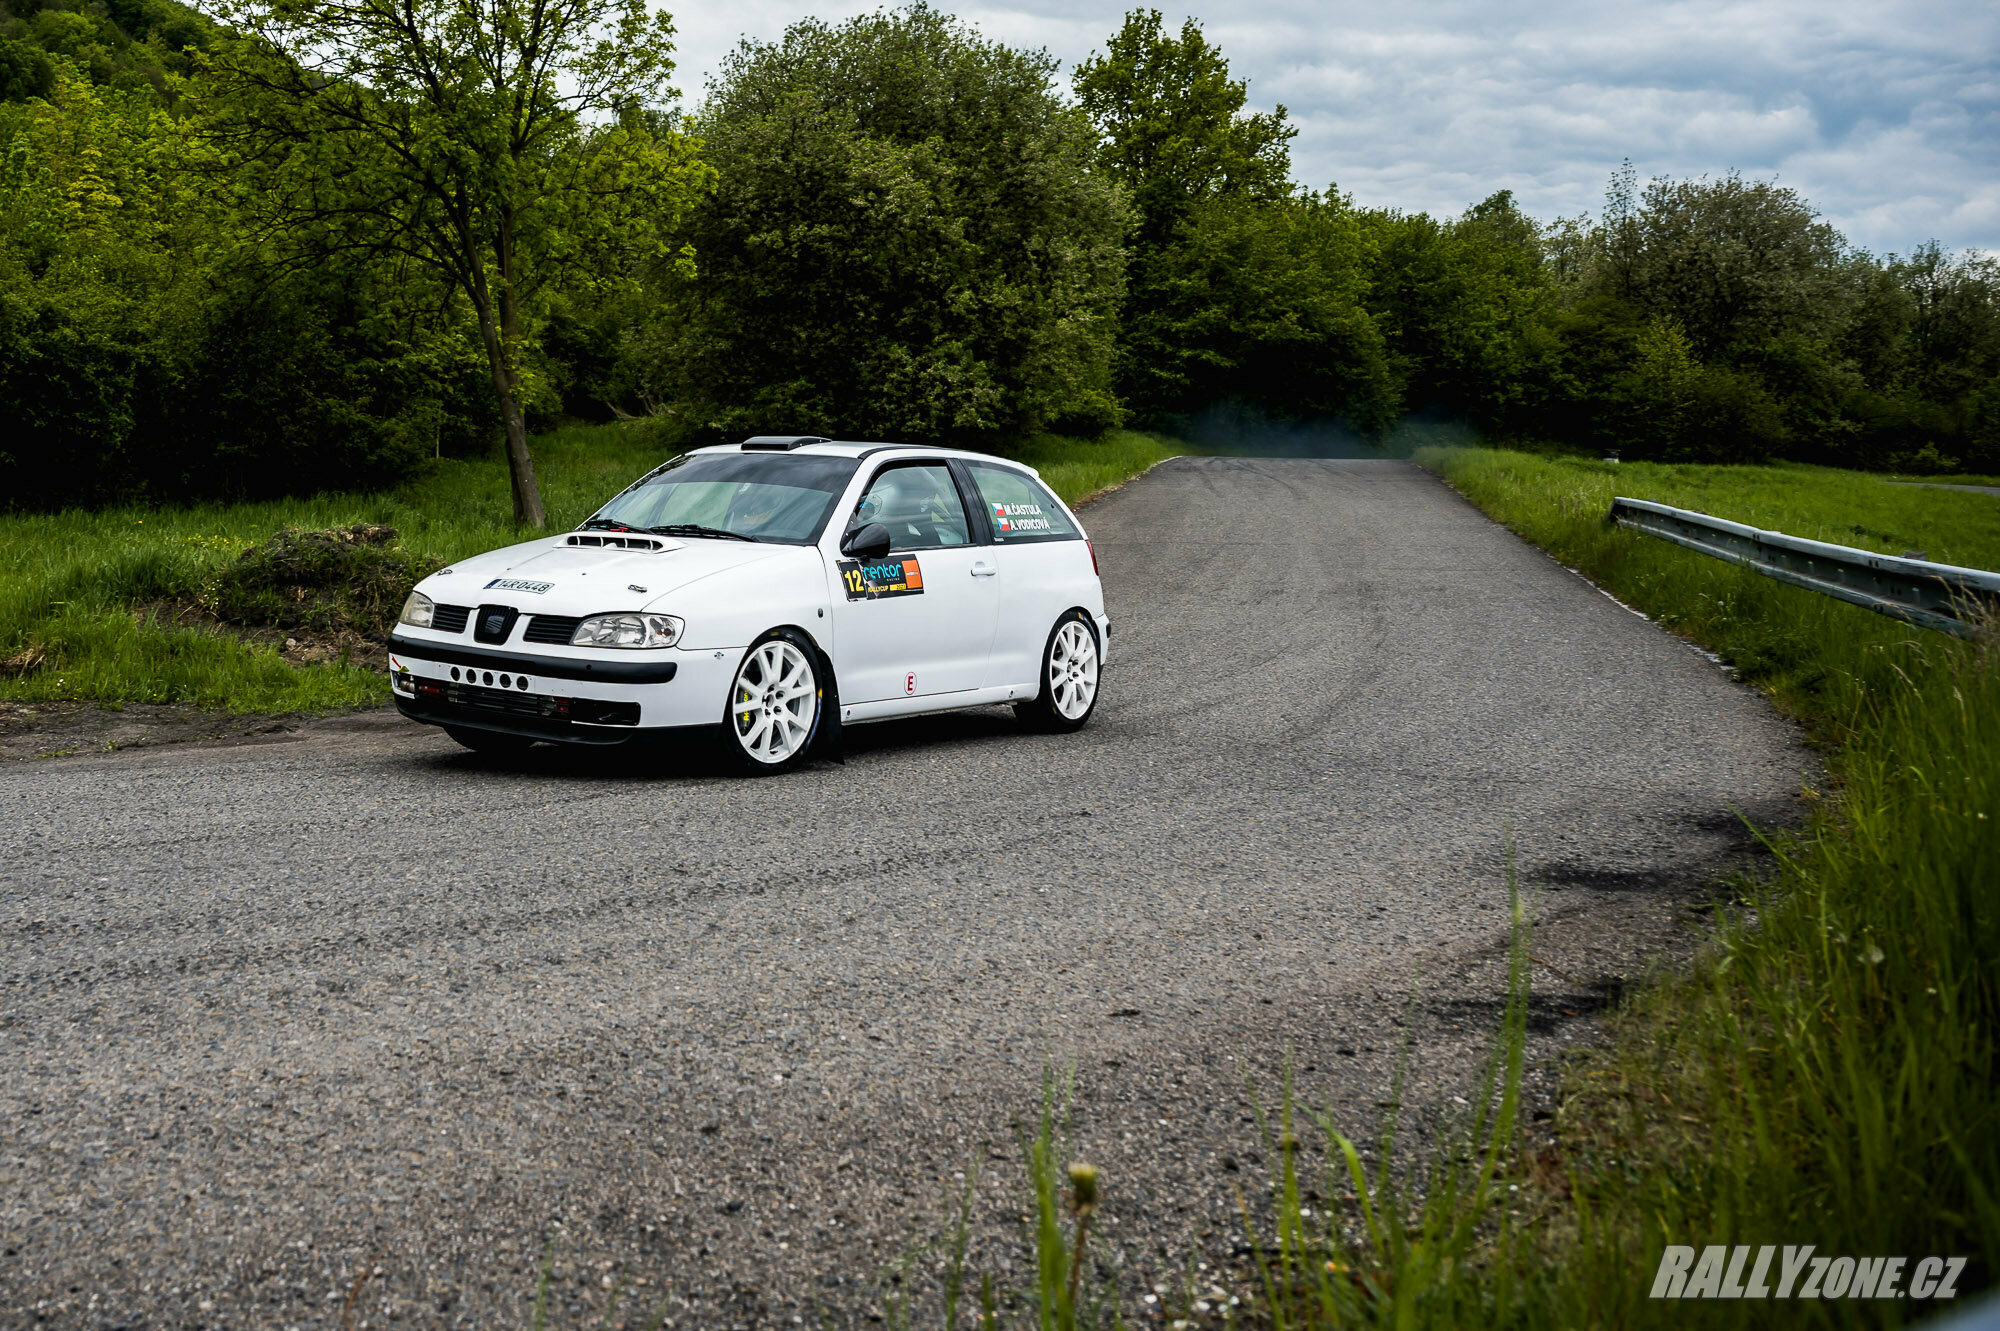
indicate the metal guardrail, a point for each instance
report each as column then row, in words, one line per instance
column 1935, row 596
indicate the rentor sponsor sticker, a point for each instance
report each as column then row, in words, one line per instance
column 875, row 579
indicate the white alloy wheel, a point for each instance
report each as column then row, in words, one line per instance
column 774, row 702
column 1072, row 679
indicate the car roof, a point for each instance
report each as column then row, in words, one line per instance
column 849, row 448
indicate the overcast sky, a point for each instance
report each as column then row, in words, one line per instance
column 1884, row 113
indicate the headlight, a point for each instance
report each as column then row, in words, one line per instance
column 627, row 631
column 417, row 611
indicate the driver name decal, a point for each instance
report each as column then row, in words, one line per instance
column 1022, row 518
column 872, row 580
column 517, row 585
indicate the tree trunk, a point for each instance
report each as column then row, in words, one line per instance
column 520, row 464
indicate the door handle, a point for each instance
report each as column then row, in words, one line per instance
column 982, row 569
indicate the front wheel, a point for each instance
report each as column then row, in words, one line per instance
column 774, row 706
column 1069, row 677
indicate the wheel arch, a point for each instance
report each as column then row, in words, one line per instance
column 1089, row 617
column 822, row 657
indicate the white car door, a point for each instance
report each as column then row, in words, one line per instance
column 919, row 621
column 1045, row 568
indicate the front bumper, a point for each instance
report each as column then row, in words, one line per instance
column 561, row 697
column 436, row 711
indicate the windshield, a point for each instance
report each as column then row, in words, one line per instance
column 779, row 497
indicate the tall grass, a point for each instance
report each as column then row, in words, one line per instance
column 70, row 581
column 1078, row 468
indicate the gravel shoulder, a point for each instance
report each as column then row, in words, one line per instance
column 39, row 731
column 273, row 1015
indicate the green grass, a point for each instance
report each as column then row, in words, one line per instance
column 1076, row 468
column 69, row 581
column 1820, row 503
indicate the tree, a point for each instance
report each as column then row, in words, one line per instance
column 501, row 144
column 1954, row 331
column 1236, row 288
column 1258, row 304
column 92, row 215
column 906, row 242
column 1173, row 127
column 1735, row 262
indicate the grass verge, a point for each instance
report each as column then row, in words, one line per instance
column 70, row 581
column 1077, row 469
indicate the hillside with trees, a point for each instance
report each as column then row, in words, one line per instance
column 283, row 248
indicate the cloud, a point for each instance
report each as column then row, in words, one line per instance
column 1885, row 115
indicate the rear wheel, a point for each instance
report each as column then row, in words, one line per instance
column 489, row 741
column 775, row 705
column 1069, row 677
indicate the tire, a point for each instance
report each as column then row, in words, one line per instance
column 489, row 741
column 1069, row 677
column 773, row 716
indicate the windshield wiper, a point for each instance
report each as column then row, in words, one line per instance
column 605, row 524
column 696, row 529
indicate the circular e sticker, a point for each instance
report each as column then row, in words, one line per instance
column 909, row 683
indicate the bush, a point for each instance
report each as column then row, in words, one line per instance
column 352, row 578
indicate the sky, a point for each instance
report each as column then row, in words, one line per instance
column 1885, row 114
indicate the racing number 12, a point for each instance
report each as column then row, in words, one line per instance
column 855, row 585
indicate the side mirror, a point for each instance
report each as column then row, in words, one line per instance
column 869, row 542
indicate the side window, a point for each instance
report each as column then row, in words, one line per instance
column 1017, row 508
column 919, row 505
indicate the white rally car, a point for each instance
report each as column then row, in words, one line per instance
column 775, row 588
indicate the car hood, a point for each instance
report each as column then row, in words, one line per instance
column 552, row 576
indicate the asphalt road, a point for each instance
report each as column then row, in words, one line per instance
column 345, row 1025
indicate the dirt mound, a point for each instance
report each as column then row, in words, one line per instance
column 349, row 580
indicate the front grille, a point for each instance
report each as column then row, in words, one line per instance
column 509, row 702
column 450, row 618
column 501, row 700
column 552, row 630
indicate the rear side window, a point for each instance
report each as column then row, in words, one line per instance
column 1016, row 507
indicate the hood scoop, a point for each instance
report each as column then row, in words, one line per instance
column 599, row 540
